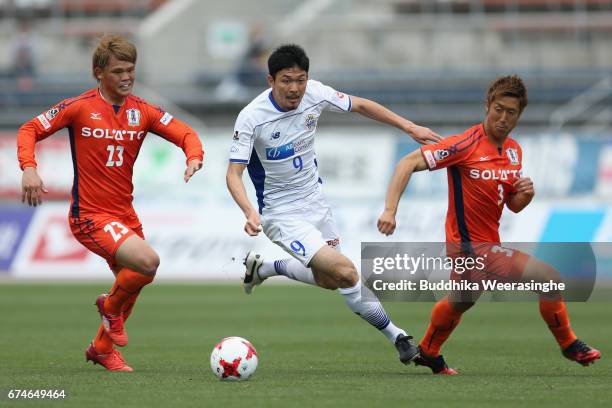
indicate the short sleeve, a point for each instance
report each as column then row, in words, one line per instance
column 243, row 139
column 449, row 152
column 336, row 100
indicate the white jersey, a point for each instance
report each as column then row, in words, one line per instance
column 278, row 146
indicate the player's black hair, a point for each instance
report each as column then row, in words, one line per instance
column 287, row 56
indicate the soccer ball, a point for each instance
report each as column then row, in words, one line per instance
column 234, row 359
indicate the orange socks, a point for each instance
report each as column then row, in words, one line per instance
column 129, row 305
column 121, row 299
column 127, row 284
column 102, row 343
column 555, row 315
column 444, row 319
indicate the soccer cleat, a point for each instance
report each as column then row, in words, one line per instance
column 436, row 364
column 406, row 348
column 113, row 325
column 112, row 361
column 581, row 353
column 252, row 262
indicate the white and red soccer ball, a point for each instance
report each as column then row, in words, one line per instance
column 234, row 359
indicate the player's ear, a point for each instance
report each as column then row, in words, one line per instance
column 98, row 73
column 270, row 80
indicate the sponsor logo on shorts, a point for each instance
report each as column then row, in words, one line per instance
column 236, row 135
column 333, row 242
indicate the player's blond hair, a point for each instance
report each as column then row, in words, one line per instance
column 511, row 85
column 112, row 45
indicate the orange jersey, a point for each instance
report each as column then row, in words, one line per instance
column 480, row 180
column 104, row 146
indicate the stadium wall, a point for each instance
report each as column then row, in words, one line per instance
column 198, row 231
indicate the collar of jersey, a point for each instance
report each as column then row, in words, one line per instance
column 278, row 108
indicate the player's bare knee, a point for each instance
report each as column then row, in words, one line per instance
column 329, row 284
column 347, row 276
column 149, row 264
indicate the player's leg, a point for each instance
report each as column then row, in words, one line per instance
column 336, row 271
column 296, row 234
column 102, row 343
column 138, row 264
column 554, row 313
column 445, row 317
column 259, row 269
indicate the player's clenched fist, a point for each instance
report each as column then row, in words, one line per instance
column 253, row 224
column 386, row 223
column 524, row 185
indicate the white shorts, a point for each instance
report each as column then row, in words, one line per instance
column 303, row 232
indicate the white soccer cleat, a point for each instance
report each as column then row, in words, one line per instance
column 252, row 262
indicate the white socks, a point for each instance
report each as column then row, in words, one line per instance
column 290, row 267
column 371, row 311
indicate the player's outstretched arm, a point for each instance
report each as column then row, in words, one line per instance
column 523, row 196
column 376, row 111
column 238, row 192
column 404, row 169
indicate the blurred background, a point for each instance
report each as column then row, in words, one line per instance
column 428, row 60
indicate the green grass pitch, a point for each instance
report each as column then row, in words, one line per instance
column 313, row 351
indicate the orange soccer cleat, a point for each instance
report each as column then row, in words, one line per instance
column 113, row 325
column 112, row 361
column 581, row 353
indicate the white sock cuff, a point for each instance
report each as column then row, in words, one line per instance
column 354, row 289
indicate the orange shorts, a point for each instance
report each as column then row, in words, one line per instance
column 103, row 234
column 493, row 262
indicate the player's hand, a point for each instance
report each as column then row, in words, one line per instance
column 32, row 187
column 253, row 224
column 424, row 135
column 524, row 185
column 193, row 166
column 386, row 223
